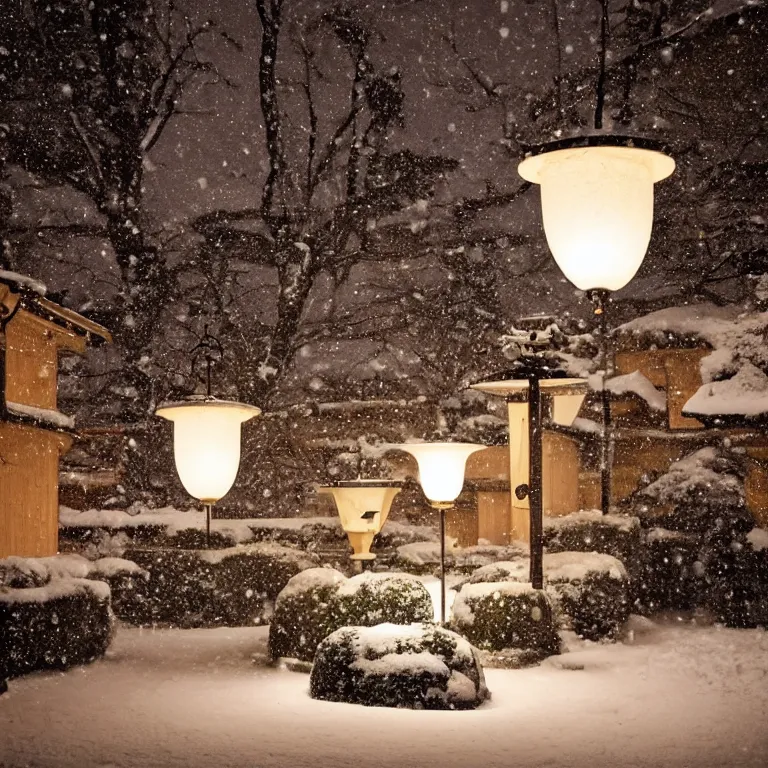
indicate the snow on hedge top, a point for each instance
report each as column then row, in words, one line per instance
column 374, row 581
column 55, row 590
column 311, row 578
column 734, row 374
column 266, row 548
column 402, row 664
column 623, row 522
column 576, row 566
column 558, row 567
column 384, row 639
column 175, row 520
column 637, row 384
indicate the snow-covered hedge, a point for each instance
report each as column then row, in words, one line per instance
column 318, row 601
column 417, row 666
column 423, row 557
column 590, row 591
column 378, row 598
column 303, row 615
column 236, row 586
column 591, row 531
column 64, row 622
column 507, row 615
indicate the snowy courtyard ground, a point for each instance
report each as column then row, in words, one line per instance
column 678, row 695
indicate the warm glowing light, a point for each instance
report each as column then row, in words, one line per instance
column 441, row 467
column 206, row 444
column 597, row 206
column 363, row 506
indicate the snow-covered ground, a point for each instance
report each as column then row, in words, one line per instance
column 677, row 696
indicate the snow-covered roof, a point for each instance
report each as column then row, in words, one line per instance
column 734, row 378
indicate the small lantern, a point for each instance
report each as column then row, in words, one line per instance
column 363, row 506
column 441, row 474
column 597, row 205
column 206, row 435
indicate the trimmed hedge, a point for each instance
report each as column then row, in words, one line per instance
column 56, row 626
column 416, row 667
column 591, row 531
column 317, row 602
column 589, row 591
column 303, row 615
column 497, row 616
column 212, row 587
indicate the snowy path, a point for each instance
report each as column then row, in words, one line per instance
column 679, row 696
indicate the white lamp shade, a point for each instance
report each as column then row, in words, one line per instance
column 206, row 444
column 597, row 206
column 441, row 467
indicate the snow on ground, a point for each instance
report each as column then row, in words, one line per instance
column 678, row 696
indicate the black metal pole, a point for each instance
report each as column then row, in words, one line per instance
column 535, row 483
column 208, row 525
column 600, row 299
column 442, row 566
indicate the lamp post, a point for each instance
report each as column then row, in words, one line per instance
column 597, row 208
column 363, row 506
column 206, row 436
column 441, row 474
column 532, row 377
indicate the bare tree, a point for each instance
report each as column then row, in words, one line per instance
column 94, row 86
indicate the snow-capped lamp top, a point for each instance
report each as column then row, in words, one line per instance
column 597, row 204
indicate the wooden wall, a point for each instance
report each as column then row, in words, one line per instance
column 29, row 498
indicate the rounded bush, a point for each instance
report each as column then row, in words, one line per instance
column 377, row 598
column 303, row 616
column 496, row 616
column 418, row 666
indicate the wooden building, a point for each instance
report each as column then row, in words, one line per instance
column 34, row 331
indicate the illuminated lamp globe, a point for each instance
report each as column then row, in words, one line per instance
column 597, row 207
column 206, row 444
column 441, row 468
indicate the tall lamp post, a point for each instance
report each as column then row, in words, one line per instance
column 206, row 436
column 532, row 377
column 597, row 207
column 441, row 474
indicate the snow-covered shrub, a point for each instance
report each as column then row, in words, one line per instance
column 22, row 573
column 303, row 615
column 125, row 579
column 669, row 573
column 591, row 531
column 66, row 622
column 737, row 586
column 702, row 492
column 213, row 587
column 424, row 557
column 501, row 615
column 700, row 506
column 417, row 666
column 378, row 598
column 590, row 591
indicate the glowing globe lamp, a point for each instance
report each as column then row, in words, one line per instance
column 206, row 446
column 597, row 206
column 441, row 469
